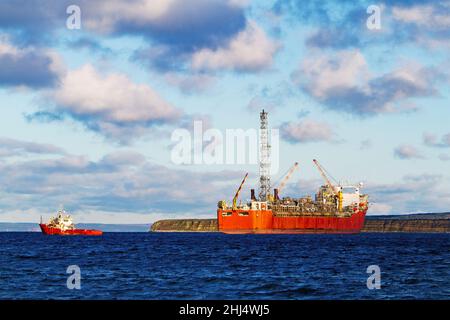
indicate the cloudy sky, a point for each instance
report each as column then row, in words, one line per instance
column 87, row 114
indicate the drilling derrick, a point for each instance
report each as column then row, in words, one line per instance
column 264, row 158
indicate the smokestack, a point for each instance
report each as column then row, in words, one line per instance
column 252, row 194
column 275, row 194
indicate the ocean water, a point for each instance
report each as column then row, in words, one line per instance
column 219, row 266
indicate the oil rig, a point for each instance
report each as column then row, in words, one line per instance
column 336, row 208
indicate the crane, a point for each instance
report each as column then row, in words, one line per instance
column 238, row 191
column 336, row 191
column 324, row 176
column 287, row 177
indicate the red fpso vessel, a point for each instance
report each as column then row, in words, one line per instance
column 64, row 226
column 336, row 208
column 269, row 221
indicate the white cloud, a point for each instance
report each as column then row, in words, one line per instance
column 323, row 74
column 105, row 16
column 239, row 3
column 407, row 152
column 13, row 147
column 431, row 140
column 249, row 50
column 6, row 47
column 422, row 15
column 402, row 196
column 111, row 104
column 342, row 82
column 306, row 131
column 113, row 97
column 380, row 208
column 182, row 25
column 28, row 66
column 120, row 183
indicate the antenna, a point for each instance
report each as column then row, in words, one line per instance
column 264, row 158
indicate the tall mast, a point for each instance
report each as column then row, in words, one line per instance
column 264, row 158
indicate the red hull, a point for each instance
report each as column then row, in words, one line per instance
column 264, row 221
column 75, row 232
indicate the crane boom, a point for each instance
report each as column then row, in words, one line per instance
column 238, row 191
column 287, row 177
column 324, row 176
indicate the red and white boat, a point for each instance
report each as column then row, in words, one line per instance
column 63, row 225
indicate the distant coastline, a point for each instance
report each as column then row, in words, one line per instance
column 411, row 216
column 417, row 222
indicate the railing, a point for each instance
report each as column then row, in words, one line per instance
column 286, row 211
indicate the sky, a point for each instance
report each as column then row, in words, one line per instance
column 91, row 97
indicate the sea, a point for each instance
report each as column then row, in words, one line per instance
column 144, row 265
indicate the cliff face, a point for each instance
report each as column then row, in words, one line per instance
column 186, row 225
column 407, row 225
column 410, row 223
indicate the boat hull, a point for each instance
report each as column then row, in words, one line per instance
column 265, row 222
column 74, row 232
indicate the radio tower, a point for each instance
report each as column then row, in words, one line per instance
column 264, row 158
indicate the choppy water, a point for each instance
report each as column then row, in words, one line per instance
column 218, row 266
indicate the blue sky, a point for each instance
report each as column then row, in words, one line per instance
column 87, row 114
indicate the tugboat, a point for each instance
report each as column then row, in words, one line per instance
column 63, row 225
